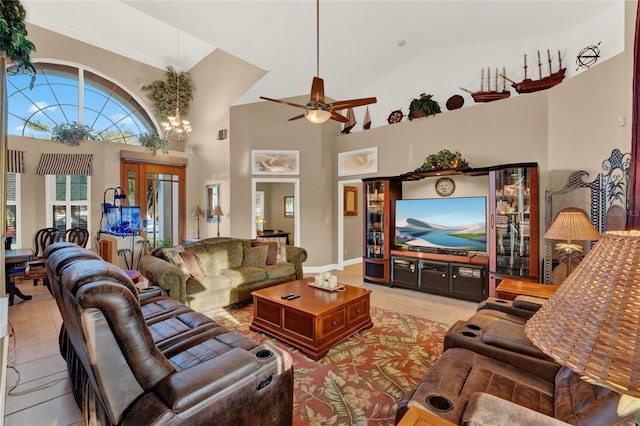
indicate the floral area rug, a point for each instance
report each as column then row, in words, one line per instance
column 361, row 379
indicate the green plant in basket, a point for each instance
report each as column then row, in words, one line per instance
column 13, row 38
column 423, row 106
column 443, row 160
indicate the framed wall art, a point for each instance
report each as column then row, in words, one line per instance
column 265, row 162
column 350, row 205
column 358, row 162
column 212, row 200
column 288, row 206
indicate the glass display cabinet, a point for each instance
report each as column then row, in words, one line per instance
column 513, row 204
column 379, row 202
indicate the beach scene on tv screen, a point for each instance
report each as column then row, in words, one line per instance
column 450, row 223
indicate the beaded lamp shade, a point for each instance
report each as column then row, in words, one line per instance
column 572, row 225
column 592, row 323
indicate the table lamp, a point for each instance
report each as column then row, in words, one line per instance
column 591, row 324
column 571, row 225
column 197, row 212
column 217, row 211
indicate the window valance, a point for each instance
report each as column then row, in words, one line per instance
column 15, row 161
column 65, row 164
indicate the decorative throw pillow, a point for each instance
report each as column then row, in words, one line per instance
column 272, row 250
column 192, row 263
column 281, row 252
column 172, row 254
column 255, row 256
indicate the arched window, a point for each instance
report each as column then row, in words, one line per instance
column 65, row 94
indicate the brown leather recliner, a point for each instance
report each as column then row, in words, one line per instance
column 491, row 374
column 458, row 383
column 496, row 330
column 143, row 358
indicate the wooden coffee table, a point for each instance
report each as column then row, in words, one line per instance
column 315, row 321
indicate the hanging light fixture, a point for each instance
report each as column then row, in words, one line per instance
column 319, row 114
column 175, row 126
column 317, row 110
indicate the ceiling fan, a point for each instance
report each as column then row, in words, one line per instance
column 317, row 110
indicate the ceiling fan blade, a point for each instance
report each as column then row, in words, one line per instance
column 297, row 117
column 283, row 102
column 339, row 117
column 317, row 90
column 351, row 103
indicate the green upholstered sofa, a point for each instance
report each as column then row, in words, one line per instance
column 217, row 272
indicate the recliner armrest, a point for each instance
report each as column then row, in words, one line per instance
column 187, row 388
column 529, row 303
column 486, row 409
column 149, row 292
column 506, row 306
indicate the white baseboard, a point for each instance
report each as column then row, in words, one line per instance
column 350, row 262
column 330, row 267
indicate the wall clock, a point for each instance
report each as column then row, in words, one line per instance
column 395, row 116
column 445, row 187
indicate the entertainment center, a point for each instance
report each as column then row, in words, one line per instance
column 446, row 245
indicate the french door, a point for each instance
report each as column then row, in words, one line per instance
column 159, row 190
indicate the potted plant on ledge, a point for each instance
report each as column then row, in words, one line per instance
column 72, row 133
column 154, row 142
column 423, row 106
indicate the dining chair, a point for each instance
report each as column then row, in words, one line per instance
column 79, row 236
column 34, row 269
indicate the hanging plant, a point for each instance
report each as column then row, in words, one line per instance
column 72, row 133
column 165, row 93
column 154, row 142
column 13, row 38
column 443, row 160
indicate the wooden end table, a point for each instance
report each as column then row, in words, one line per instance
column 508, row 289
column 416, row 416
column 315, row 321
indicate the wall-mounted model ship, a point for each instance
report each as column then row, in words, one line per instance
column 528, row 85
column 490, row 95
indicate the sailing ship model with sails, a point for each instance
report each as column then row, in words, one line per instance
column 367, row 120
column 489, row 95
column 528, row 85
column 349, row 124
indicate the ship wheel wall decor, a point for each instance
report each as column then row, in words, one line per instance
column 395, row 117
column 588, row 56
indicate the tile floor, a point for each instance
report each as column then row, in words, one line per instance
column 43, row 394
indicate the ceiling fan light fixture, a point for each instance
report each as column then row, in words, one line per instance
column 317, row 116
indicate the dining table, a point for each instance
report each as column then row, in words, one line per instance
column 12, row 260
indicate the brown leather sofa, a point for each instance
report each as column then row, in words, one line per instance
column 140, row 357
column 491, row 374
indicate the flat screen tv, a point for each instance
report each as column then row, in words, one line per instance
column 442, row 223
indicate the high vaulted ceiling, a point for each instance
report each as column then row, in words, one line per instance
column 361, row 42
